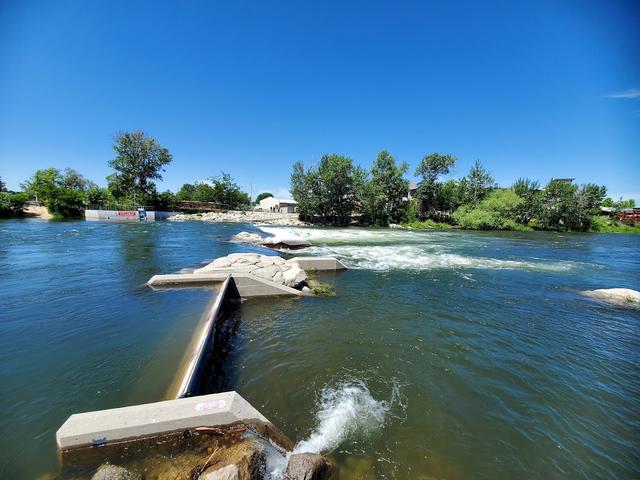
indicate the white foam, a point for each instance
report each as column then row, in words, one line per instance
column 383, row 258
column 344, row 412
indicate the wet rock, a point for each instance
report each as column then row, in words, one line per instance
column 114, row 472
column 616, row 296
column 230, row 472
column 308, row 466
column 248, row 456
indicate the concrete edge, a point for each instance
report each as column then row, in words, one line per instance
column 205, row 336
column 152, row 419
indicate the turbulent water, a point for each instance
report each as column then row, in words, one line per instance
column 443, row 355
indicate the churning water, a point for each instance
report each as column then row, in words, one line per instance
column 443, row 355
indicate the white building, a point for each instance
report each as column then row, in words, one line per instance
column 271, row 204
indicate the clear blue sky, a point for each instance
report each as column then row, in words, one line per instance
column 539, row 89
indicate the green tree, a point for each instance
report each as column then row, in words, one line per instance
column 66, row 203
column 389, row 188
column 301, row 183
column 531, row 206
column 3, row 186
column 262, row 196
column 479, row 183
column 228, row 193
column 43, row 184
column 431, row 167
column 96, row 196
column 186, row 192
column 139, row 160
column 74, row 180
column 336, row 179
column 568, row 207
column 12, row 204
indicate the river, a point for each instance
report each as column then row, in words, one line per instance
column 443, row 355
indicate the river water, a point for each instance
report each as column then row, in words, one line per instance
column 443, row 355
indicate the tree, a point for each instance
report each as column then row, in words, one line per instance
column 620, row 204
column 74, row 180
column 529, row 191
column 12, row 204
column 479, row 183
column 389, row 186
column 3, row 186
column 302, row 192
column 66, row 203
column 262, row 196
column 430, row 168
column 139, row 160
column 96, row 196
column 186, row 192
column 43, row 184
column 568, row 207
column 228, row 193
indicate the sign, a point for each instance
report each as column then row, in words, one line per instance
column 127, row 214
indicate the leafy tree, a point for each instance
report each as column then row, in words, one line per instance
column 3, row 186
column 450, row 195
column 262, row 196
column 529, row 191
column 74, row 180
column 139, row 160
column 620, row 204
column 498, row 211
column 336, row 180
column 431, row 167
column 186, row 192
column 389, row 188
column 479, row 183
column 43, row 184
column 228, row 193
column 12, row 204
column 302, row 191
column 66, row 203
column 568, row 207
column 96, row 196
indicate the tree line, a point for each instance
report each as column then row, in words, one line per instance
column 338, row 192
column 138, row 163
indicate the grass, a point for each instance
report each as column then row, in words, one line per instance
column 427, row 225
column 608, row 225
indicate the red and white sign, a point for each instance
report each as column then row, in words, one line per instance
column 127, row 214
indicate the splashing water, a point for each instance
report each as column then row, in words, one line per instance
column 344, row 412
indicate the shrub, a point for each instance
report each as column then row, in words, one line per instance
column 323, row 290
column 66, row 203
column 12, row 204
column 496, row 212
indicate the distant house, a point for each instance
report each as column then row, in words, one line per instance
column 413, row 188
column 563, row 180
column 271, row 204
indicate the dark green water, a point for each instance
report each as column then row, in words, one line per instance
column 443, row 355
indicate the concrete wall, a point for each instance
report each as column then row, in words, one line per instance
column 152, row 419
column 125, row 216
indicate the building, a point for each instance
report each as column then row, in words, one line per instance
column 413, row 189
column 278, row 205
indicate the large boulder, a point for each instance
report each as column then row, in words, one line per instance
column 114, row 472
column 247, row 456
column 294, row 276
column 616, row 296
column 230, row 472
column 308, row 466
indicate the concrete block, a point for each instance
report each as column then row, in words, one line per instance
column 151, row 419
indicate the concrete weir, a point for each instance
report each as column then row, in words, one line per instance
column 153, row 419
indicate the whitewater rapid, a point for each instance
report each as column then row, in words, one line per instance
column 390, row 249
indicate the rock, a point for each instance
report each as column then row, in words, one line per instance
column 616, row 296
column 114, row 472
column 294, row 276
column 230, row 472
column 308, row 466
column 248, row 456
column 286, row 219
column 278, row 278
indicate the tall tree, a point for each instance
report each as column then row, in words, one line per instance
column 336, row 178
column 387, row 179
column 302, row 192
column 3, row 186
column 43, row 184
column 139, row 160
column 430, row 168
column 479, row 183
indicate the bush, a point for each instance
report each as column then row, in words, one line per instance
column 66, row 203
column 496, row 212
column 12, row 204
column 427, row 225
column 323, row 290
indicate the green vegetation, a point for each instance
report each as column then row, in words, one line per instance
column 139, row 162
column 609, row 225
column 335, row 189
column 339, row 193
column 323, row 290
column 262, row 196
column 219, row 190
column 427, row 225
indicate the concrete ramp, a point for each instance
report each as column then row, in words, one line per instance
column 151, row 419
column 311, row 264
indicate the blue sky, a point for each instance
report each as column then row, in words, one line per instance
column 539, row 89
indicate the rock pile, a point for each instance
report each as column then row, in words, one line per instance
column 236, row 216
column 273, row 268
